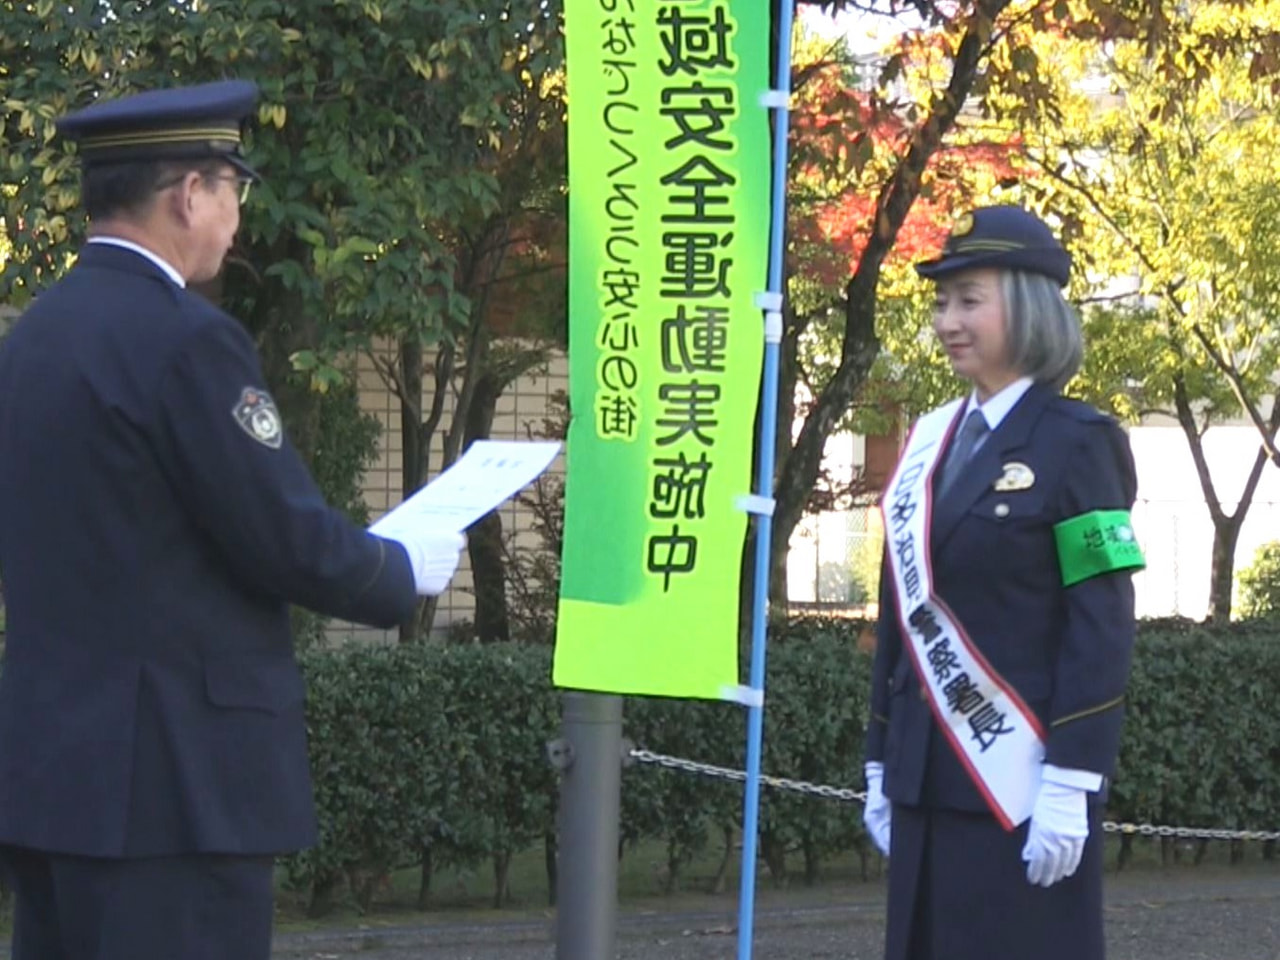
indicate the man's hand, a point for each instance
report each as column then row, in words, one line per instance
column 1059, row 828
column 878, row 812
column 434, row 558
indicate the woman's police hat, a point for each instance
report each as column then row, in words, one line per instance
column 1003, row 237
column 202, row 122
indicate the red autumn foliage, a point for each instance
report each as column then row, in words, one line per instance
column 844, row 141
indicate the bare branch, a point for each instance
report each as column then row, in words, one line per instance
column 1107, row 298
column 385, row 367
column 1098, row 207
column 1228, row 370
column 1224, row 363
column 1195, row 440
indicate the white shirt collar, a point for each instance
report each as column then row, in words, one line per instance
column 998, row 405
column 159, row 261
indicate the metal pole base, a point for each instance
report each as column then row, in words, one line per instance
column 590, row 755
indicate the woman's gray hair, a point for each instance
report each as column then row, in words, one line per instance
column 1043, row 329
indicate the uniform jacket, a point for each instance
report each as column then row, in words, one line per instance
column 155, row 523
column 994, row 560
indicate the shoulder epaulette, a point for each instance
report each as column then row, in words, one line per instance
column 1079, row 410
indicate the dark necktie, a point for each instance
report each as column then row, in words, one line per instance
column 971, row 432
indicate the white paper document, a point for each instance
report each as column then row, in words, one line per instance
column 486, row 475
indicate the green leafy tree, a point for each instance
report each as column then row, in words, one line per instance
column 512, row 270
column 1150, row 144
column 1162, row 164
column 899, row 153
column 1260, row 583
column 379, row 131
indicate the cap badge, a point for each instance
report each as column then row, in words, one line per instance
column 963, row 225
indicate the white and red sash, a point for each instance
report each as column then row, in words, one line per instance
column 996, row 737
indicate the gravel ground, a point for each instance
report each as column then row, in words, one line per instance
column 1179, row 915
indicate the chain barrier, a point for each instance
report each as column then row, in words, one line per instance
column 641, row 755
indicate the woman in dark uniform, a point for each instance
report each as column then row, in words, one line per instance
column 1006, row 624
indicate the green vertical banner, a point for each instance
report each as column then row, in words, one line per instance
column 669, row 173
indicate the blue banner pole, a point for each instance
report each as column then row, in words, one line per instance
column 777, row 100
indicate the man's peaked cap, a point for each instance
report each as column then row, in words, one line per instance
column 202, row 122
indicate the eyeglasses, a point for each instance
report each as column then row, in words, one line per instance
column 245, row 183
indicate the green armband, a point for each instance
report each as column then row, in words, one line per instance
column 1098, row 542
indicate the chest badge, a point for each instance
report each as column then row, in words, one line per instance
column 257, row 415
column 1016, row 476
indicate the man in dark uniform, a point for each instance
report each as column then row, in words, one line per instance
column 155, row 524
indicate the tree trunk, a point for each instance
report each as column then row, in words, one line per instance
column 1202, row 848
column 1226, row 527
column 774, row 853
column 788, row 378
column 363, row 883
column 672, row 880
column 489, row 577
column 1125, row 853
column 812, row 860
column 1226, row 533
column 501, row 878
column 321, row 900
column 722, row 871
column 484, row 539
column 413, row 456
column 414, row 443
column 424, row 879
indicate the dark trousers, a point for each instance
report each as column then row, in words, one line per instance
column 198, row 907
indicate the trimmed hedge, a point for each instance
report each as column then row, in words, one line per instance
column 424, row 755
column 431, row 755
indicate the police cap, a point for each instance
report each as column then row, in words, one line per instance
column 1005, row 237
column 180, row 123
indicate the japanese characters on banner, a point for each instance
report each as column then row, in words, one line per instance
column 669, row 170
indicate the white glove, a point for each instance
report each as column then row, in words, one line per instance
column 878, row 812
column 1059, row 827
column 434, row 557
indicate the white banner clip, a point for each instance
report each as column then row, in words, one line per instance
column 767, row 300
column 740, row 693
column 754, row 503
column 773, row 327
